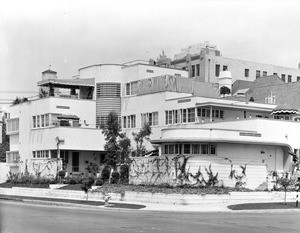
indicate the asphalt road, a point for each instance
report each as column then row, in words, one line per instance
column 17, row 217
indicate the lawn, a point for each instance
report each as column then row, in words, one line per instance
column 264, row 206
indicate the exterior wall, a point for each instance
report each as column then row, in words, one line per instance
column 237, row 68
column 230, row 157
column 3, row 172
column 30, row 139
column 141, row 71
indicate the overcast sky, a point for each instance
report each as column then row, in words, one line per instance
column 69, row 35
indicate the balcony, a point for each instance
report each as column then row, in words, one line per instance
column 71, row 138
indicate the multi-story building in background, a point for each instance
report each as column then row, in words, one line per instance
column 204, row 62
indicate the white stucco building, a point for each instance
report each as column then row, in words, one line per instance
column 62, row 131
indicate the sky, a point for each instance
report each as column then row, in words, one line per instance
column 69, row 35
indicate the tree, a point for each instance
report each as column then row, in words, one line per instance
column 111, row 132
column 285, row 182
column 4, row 146
column 224, row 91
column 143, row 134
column 117, row 144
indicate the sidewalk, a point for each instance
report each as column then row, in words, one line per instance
column 118, row 204
column 144, row 201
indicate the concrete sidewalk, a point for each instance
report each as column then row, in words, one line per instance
column 119, row 204
column 143, row 201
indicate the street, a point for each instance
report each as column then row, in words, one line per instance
column 24, row 217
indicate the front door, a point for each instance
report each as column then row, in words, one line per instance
column 75, row 161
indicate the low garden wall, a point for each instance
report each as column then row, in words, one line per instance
column 197, row 170
column 146, row 197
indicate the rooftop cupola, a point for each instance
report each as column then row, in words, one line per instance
column 49, row 74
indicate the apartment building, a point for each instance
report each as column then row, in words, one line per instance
column 204, row 62
column 60, row 128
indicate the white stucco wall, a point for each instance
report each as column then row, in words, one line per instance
column 3, row 172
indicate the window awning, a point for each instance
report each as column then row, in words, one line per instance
column 68, row 117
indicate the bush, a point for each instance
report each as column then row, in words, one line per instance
column 105, row 173
column 124, row 174
column 62, row 174
column 87, row 184
column 115, row 176
column 99, row 182
column 72, row 181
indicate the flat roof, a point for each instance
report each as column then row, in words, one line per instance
column 90, row 82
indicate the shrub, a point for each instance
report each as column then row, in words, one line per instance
column 62, row 174
column 124, row 174
column 105, row 173
column 115, row 176
column 72, row 181
column 99, row 182
column 87, row 184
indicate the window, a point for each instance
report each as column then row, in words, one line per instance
column 217, row 113
column 204, row 149
column 155, row 118
column 186, row 148
column 42, row 120
column 247, row 73
column 191, row 115
column 166, row 148
column 127, row 88
column 46, row 120
column 124, row 122
column 217, row 71
column 40, row 154
column 167, row 117
column 245, row 114
column 212, row 149
column 221, row 114
column 132, row 119
column 177, row 151
column 176, row 117
column 225, row 68
column 257, row 73
column 274, row 73
column 289, row 78
column 38, row 121
column 151, row 118
column 195, row 149
column 283, row 77
column 264, row 73
column 13, row 125
column 184, row 115
column 64, row 155
column 298, row 78
column 193, row 71
column 198, row 70
column 171, row 149
column 34, row 121
column 170, row 118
